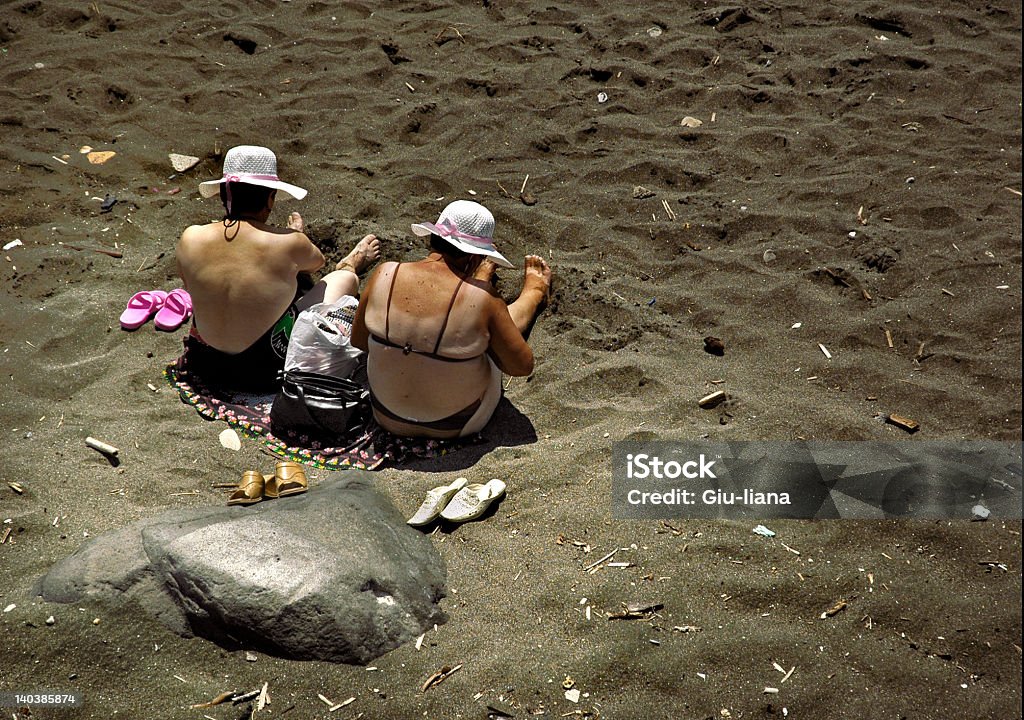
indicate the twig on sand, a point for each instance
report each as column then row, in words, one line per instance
column 446, row 29
column 440, row 676
column 222, row 698
column 104, row 251
column 668, row 209
column 507, row 193
column 1015, row 192
column 609, row 556
column 525, row 180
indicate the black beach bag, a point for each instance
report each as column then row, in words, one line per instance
column 317, row 406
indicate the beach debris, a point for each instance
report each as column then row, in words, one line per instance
column 98, row 157
column 861, row 217
column 102, row 251
column 980, row 512
column 527, row 198
column 105, row 448
column 911, row 426
column 85, row 149
column 439, row 677
column 7, row 534
column 712, row 400
column 497, row 713
column 642, row 193
column 250, row 656
column 602, row 97
column 691, row 122
column 593, row 566
column 573, row 695
column 181, row 163
column 771, row 690
column 686, row 629
column 762, row 530
column 264, row 699
column 714, row 346
column 568, row 683
column 825, row 351
column 51, row 620
column 888, row 338
column 109, row 201
column 332, row 706
column 1015, row 192
column 13, row 244
column 454, row 29
column 636, row 611
column 222, row 698
column 769, row 256
column 229, row 439
column 10, row 607
column 654, row 31
column 668, row 209
column 419, row 641
column 16, row 487
column 837, row 608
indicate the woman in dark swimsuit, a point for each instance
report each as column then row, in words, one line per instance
column 437, row 335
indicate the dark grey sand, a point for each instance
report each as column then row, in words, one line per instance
column 873, row 149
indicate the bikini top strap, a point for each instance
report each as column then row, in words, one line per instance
column 444, row 325
column 387, row 311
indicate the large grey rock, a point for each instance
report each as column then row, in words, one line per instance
column 334, row 574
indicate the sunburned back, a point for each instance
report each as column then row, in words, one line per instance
column 429, row 337
column 241, row 279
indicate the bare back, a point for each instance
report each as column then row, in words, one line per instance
column 242, row 276
column 430, row 335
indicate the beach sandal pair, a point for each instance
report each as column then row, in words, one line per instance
column 289, row 478
column 168, row 309
column 461, row 501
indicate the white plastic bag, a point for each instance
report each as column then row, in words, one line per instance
column 321, row 339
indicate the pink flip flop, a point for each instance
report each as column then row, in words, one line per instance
column 141, row 307
column 176, row 310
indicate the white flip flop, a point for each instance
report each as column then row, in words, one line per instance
column 473, row 500
column 436, row 501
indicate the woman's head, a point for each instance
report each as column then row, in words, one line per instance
column 242, row 199
column 465, row 227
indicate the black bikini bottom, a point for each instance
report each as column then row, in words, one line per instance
column 456, row 421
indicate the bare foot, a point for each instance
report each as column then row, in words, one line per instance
column 363, row 254
column 485, row 271
column 296, row 223
column 537, row 276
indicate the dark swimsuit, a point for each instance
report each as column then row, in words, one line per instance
column 257, row 367
column 456, row 421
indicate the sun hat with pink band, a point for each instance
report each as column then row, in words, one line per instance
column 252, row 165
column 467, row 225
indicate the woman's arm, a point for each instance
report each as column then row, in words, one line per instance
column 508, row 349
column 360, row 333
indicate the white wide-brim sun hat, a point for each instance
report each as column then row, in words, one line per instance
column 253, row 165
column 468, row 226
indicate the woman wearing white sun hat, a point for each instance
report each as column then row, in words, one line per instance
column 242, row 275
column 439, row 336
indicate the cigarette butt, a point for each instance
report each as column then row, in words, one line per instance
column 102, row 446
column 825, row 351
column 709, row 401
column 888, row 337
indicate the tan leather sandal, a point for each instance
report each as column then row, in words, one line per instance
column 249, row 491
column 289, row 478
